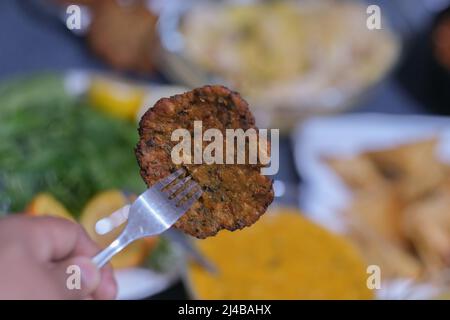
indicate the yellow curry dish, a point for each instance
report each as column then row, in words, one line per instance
column 283, row 256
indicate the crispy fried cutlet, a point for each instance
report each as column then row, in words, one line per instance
column 124, row 35
column 234, row 195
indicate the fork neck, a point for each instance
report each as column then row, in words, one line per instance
column 104, row 256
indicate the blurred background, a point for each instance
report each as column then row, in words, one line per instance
column 364, row 154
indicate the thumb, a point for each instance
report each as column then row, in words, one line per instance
column 80, row 277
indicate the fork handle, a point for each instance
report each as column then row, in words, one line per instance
column 115, row 247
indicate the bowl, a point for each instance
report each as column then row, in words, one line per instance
column 340, row 68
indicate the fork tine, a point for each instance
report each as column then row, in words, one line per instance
column 169, row 179
column 191, row 200
column 178, row 186
column 185, row 191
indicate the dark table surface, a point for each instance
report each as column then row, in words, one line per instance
column 31, row 42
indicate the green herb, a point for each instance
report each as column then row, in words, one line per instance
column 53, row 142
column 163, row 257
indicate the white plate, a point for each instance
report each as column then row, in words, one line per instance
column 140, row 283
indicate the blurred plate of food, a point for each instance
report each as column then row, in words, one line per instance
column 120, row 33
column 277, row 54
column 67, row 151
column 383, row 181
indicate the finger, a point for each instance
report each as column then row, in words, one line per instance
column 77, row 243
column 50, row 238
column 77, row 277
column 62, row 239
column 107, row 290
column 85, row 245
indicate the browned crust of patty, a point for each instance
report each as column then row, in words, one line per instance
column 124, row 36
column 234, row 195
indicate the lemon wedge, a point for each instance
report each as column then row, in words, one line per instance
column 45, row 204
column 115, row 97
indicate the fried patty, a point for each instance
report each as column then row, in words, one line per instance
column 234, row 195
column 124, row 35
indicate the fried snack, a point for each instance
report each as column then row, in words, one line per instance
column 124, row 35
column 403, row 223
column 235, row 195
column 427, row 223
column 358, row 172
column 393, row 260
column 413, row 168
column 381, row 211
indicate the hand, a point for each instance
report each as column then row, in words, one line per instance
column 34, row 256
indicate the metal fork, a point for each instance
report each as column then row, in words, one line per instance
column 154, row 211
